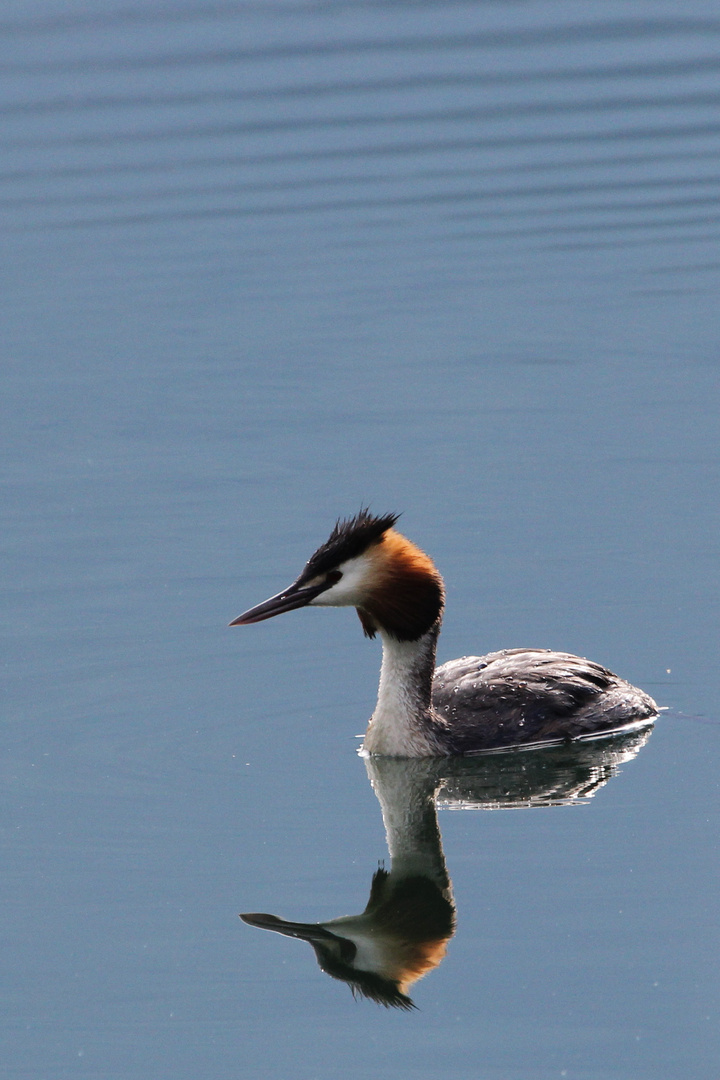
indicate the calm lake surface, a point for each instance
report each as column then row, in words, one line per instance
column 264, row 264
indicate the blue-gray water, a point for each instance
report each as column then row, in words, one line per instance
column 263, row 263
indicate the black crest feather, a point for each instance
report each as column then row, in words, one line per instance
column 350, row 538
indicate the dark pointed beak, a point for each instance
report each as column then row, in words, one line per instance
column 296, row 596
column 304, row 931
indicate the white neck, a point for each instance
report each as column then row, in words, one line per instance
column 402, row 724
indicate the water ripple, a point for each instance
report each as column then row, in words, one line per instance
column 605, row 128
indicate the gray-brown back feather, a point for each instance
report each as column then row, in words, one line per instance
column 530, row 695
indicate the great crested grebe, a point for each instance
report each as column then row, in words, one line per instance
column 516, row 697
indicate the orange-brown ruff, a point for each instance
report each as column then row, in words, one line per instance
column 405, row 594
column 515, row 697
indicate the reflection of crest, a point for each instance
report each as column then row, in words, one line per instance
column 410, row 916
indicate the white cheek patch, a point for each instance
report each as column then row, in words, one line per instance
column 352, row 586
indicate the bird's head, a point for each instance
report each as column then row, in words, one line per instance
column 368, row 565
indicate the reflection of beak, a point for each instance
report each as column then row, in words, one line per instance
column 305, row 931
column 295, row 596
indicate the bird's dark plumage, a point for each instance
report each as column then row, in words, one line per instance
column 350, row 538
column 519, row 696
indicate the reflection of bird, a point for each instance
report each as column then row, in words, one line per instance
column 398, row 938
column 508, row 698
column 403, row 932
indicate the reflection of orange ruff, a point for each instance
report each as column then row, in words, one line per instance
column 516, row 697
column 414, row 921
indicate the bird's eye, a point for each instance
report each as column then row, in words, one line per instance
column 348, row 949
column 333, row 577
